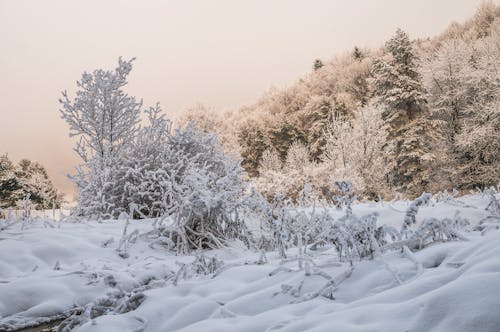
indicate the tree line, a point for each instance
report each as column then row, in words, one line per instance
column 411, row 116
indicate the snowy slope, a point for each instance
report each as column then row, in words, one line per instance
column 453, row 286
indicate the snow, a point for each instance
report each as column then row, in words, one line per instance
column 47, row 272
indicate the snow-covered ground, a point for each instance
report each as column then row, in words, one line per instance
column 54, row 269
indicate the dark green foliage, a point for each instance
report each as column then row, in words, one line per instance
column 282, row 136
column 253, row 144
column 317, row 64
column 8, row 182
column 317, row 119
column 26, row 177
column 357, row 54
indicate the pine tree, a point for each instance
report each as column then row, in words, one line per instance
column 283, row 135
column 317, row 64
column 34, row 180
column 398, row 88
column 253, row 143
column 27, row 177
column 318, row 113
column 357, row 54
column 9, row 183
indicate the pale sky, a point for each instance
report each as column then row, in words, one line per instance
column 222, row 53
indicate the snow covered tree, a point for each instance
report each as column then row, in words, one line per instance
column 357, row 53
column 288, row 178
column 283, row 135
column 398, row 88
column 8, row 183
column 27, row 177
column 106, row 120
column 462, row 77
column 338, row 156
column 270, row 162
column 317, row 64
column 318, row 113
column 211, row 120
column 33, row 179
column 367, row 154
column 253, row 144
column 272, row 178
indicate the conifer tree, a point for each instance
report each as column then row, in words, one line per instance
column 253, row 144
column 317, row 64
column 283, row 135
column 8, row 182
column 318, row 113
column 27, row 177
column 398, row 88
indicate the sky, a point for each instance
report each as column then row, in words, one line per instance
column 222, row 53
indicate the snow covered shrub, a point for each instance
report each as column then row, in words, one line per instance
column 445, row 196
column 115, row 302
column 347, row 198
column 355, row 237
column 494, row 204
column 275, row 221
column 146, row 171
column 200, row 266
column 202, row 191
column 492, row 221
column 437, row 230
column 429, row 230
column 358, row 238
column 411, row 213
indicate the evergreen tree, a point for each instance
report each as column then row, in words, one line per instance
column 253, row 144
column 16, row 181
column 398, row 88
column 283, row 135
column 318, row 113
column 34, row 180
column 357, row 54
column 317, row 64
column 9, row 184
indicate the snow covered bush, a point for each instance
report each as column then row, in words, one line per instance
column 492, row 221
column 356, row 238
column 429, row 230
column 347, row 196
column 437, row 230
column 206, row 193
column 275, row 220
column 145, row 172
column 411, row 213
column 494, row 204
column 186, row 176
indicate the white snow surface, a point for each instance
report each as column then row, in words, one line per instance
column 453, row 286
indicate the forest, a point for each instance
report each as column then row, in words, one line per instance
column 408, row 117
